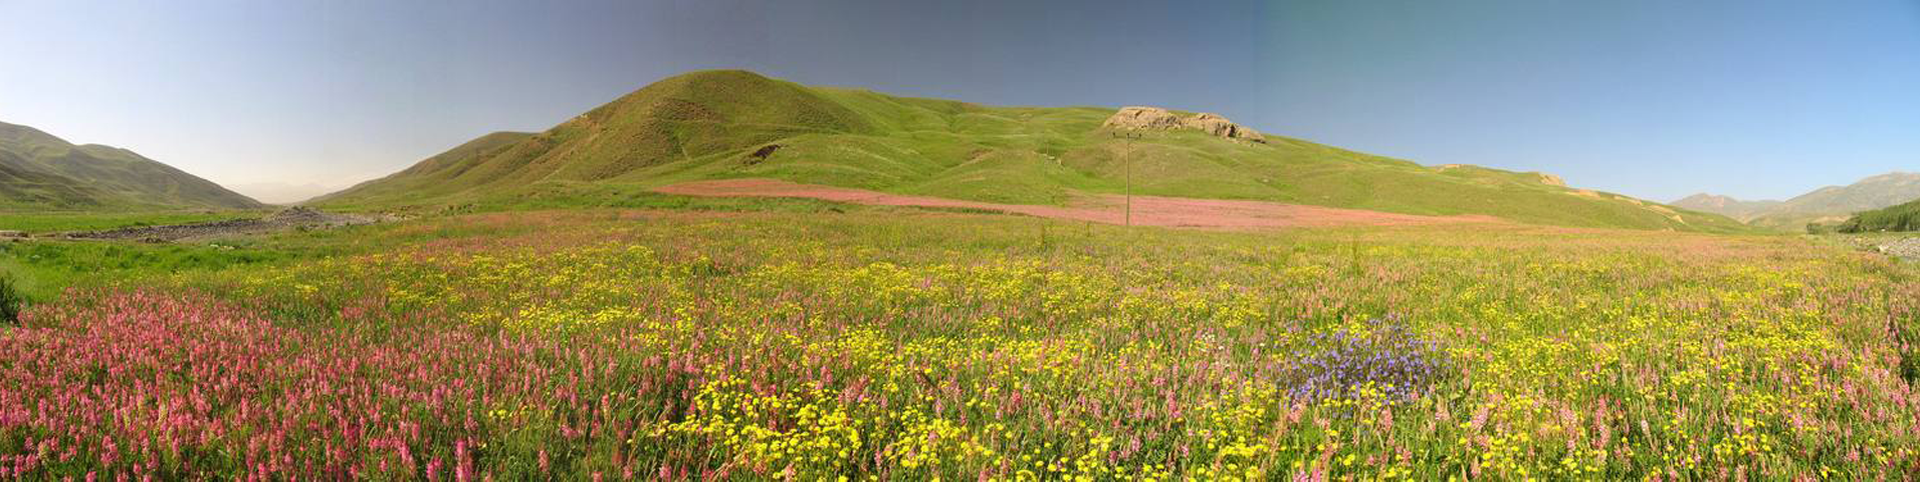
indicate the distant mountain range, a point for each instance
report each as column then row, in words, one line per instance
column 39, row 171
column 1829, row 204
column 736, row 124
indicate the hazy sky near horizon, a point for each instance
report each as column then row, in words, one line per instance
column 1652, row 98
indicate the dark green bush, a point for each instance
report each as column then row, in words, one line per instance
column 1904, row 217
column 11, row 301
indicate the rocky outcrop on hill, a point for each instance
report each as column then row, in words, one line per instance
column 1155, row 118
column 1142, row 118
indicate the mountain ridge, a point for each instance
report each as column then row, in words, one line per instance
column 41, row 171
column 1823, row 204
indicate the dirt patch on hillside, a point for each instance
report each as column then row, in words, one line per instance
column 290, row 218
column 1108, row 209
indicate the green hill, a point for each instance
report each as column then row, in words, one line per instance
column 734, row 124
column 41, row 172
column 1902, row 217
column 424, row 180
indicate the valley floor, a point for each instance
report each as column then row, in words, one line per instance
column 899, row 344
column 1107, row 209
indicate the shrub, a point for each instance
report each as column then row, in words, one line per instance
column 11, row 301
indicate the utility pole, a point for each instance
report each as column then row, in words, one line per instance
column 1128, row 158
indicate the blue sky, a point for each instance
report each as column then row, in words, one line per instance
column 1659, row 99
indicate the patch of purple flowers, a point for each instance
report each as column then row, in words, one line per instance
column 1387, row 355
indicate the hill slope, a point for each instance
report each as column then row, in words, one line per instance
column 432, row 174
column 1826, row 204
column 1899, row 217
column 734, row 124
column 40, row 171
column 1726, row 206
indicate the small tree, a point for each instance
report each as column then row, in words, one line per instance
column 11, row 301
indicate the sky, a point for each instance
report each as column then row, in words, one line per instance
column 1651, row 98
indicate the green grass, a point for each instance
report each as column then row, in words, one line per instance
column 57, row 222
column 703, row 125
column 45, row 268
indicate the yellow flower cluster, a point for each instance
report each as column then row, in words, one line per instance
column 805, row 435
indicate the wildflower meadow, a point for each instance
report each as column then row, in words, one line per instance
column 911, row 345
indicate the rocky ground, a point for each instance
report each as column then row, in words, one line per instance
column 1899, row 245
column 1903, row 247
column 290, row 218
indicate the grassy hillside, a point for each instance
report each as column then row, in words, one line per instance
column 434, row 172
column 731, row 124
column 40, row 172
column 1903, row 217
